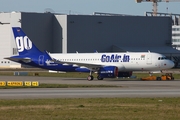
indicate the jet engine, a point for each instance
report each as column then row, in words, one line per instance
column 108, row 72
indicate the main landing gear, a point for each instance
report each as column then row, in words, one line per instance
column 90, row 77
column 99, row 77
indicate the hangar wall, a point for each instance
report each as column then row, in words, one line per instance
column 83, row 33
column 7, row 44
column 39, row 28
column 60, row 34
column 101, row 32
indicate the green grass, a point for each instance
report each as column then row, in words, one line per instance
column 91, row 109
column 88, row 108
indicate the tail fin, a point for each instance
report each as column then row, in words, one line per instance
column 28, row 53
column 24, row 44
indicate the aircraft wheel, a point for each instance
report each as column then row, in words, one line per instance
column 90, row 77
column 99, row 78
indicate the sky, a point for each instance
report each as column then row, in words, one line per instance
column 129, row 7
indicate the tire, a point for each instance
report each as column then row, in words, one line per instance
column 99, row 78
column 90, row 77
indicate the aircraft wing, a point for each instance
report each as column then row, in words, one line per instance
column 88, row 65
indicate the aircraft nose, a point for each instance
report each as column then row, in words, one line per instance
column 171, row 64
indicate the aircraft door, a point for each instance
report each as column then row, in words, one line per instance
column 41, row 60
column 149, row 59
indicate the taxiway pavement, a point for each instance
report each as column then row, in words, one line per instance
column 127, row 88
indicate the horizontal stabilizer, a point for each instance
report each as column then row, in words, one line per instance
column 17, row 59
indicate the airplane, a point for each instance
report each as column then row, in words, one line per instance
column 106, row 65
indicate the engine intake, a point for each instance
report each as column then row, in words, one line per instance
column 112, row 72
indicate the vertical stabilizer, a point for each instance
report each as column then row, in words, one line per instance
column 24, row 44
column 29, row 54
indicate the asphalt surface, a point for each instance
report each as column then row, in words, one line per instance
column 126, row 88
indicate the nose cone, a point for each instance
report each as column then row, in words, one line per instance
column 170, row 64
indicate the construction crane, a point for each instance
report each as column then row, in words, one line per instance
column 155, row 4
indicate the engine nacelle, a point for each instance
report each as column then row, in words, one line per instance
column 108, row 72
column 125, row 74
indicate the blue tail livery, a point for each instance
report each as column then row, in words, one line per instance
column 29, row 54
column 106, row 65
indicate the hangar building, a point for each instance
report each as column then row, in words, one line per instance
column 86, row 33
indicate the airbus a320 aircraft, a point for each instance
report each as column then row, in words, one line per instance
column 107, row 65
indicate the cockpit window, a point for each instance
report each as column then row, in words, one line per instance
column 162, row 58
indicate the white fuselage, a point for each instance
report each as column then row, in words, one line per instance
column 128, row 61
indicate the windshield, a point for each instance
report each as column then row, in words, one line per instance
column 162, row 58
